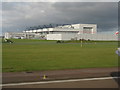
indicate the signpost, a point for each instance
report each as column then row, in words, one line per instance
column 81, row 43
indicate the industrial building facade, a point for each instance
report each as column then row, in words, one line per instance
column 66, row 32
column 69, row 29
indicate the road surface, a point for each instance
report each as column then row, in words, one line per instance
column 103, row 82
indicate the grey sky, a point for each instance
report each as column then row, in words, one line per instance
column 19, row 15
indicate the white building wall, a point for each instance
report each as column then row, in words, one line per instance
column 68, row 36
column 7, row 35
column 94, row 26
column 102, row 37
column 54, row 37
column 66, row 29
column 63, row 36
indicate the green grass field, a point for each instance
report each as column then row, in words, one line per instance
column 34, row 55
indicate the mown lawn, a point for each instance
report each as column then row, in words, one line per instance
column 34, row 55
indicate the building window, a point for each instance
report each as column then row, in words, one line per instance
column 87, row 29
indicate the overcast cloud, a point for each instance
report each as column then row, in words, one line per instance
column 16, row 16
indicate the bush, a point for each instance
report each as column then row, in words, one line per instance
column 60, row 41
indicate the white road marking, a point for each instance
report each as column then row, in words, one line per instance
column 58, row 81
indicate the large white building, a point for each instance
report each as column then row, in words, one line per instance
column 69, row 29
column 66, row 32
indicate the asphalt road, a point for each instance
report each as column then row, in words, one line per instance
column 37, row 76
column 77, row 78
column 73, row 83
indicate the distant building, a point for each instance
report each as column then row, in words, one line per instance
column 66, row 32
column 69, row 29
column 21, row 35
